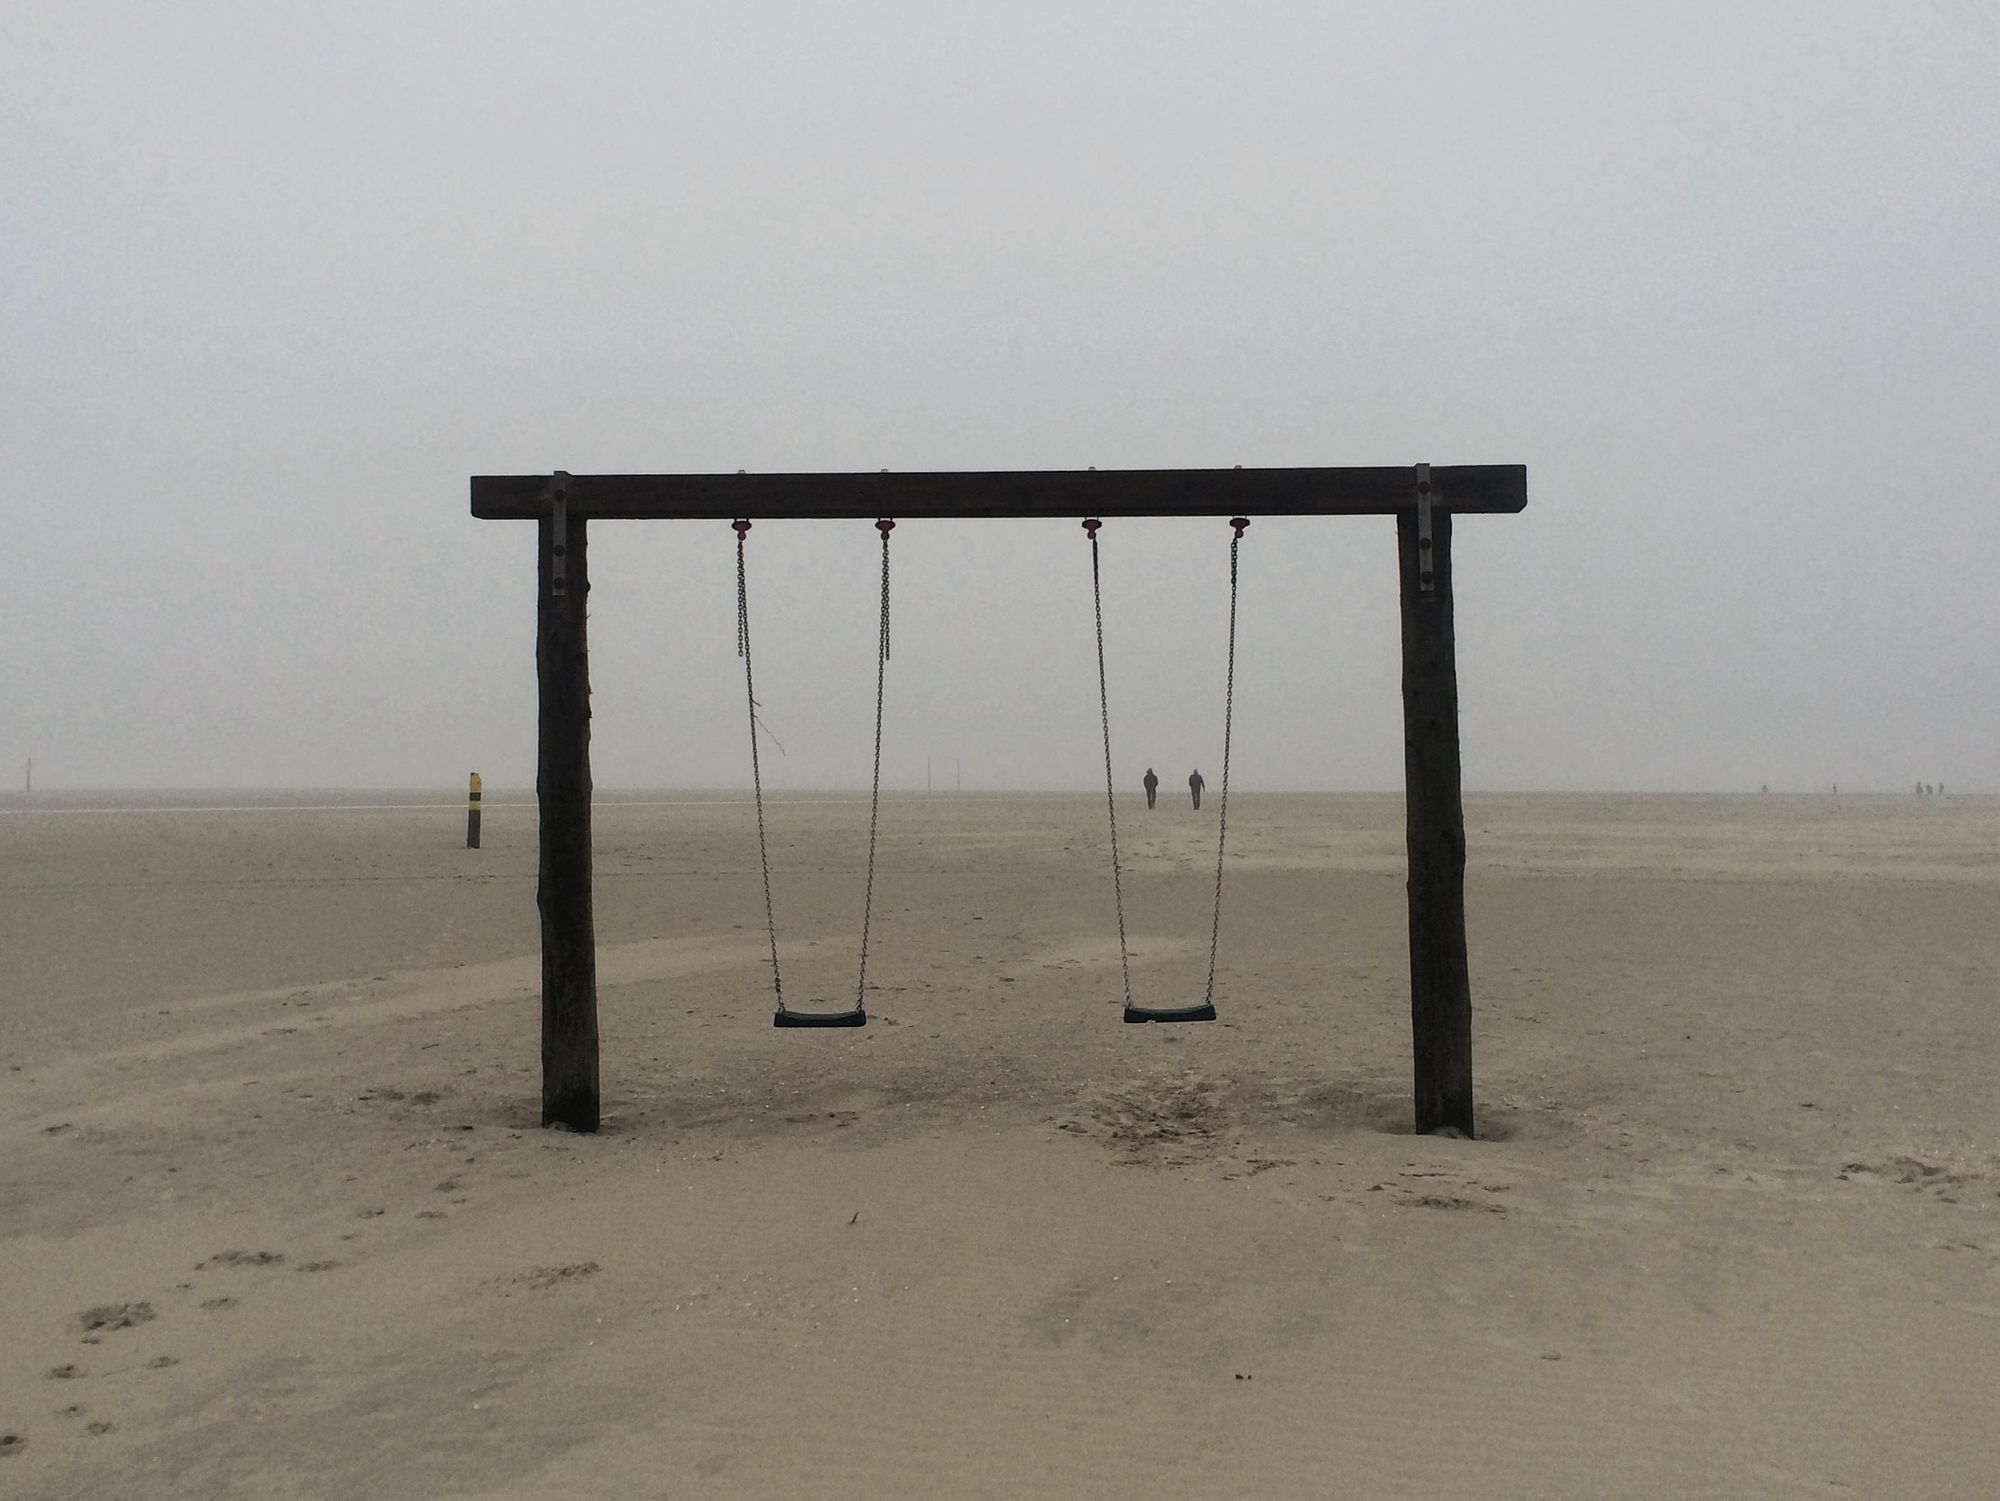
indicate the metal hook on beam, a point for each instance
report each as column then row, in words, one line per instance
column 559, row 535
column 1426, row 552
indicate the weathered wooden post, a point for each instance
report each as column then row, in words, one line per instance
column 472, row 793
column 562, row 790
column 1440, row 979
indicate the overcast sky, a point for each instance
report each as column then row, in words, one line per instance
column 276, row 279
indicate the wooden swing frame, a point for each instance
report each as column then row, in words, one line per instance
column 1423, row 500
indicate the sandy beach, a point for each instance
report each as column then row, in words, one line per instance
column 279, row 1221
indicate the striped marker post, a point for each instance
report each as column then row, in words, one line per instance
column 472, row 813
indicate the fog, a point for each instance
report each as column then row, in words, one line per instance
column 278, row 280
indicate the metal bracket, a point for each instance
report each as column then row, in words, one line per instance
column 1426, row 552
column 559, row 536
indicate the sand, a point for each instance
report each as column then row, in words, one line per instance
column 278, row 1221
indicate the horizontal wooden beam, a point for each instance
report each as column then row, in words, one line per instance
column 1468, row 489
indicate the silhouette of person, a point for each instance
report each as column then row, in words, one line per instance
column 1152, row 786
column 1195, row 784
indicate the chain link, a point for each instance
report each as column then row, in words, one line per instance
column 1222, row 811
column 875, row 790
column 1110, row 795
column 756, row 772
column 757, row 775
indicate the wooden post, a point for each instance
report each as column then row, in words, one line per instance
column 1440, row 981
column 562, row 790
column 472, row 813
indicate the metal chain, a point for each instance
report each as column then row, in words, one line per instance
column 756, row 772
column 1222, row 811
column 875, row 791
column 1110, row 796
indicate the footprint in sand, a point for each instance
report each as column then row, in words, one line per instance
column 242, row 1258
column 100, row 1428
column 218, row 1302
column 107, row 1316
column 161, row 1362
column 65, row 1372
column 11, row 1444
column 1448, row 1201
column 542, row 1278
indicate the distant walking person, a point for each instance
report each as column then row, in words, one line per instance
column 1152, row 786
column 1195, row 784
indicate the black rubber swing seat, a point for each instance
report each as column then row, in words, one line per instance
column 785, row 1017
column 1205, row 1012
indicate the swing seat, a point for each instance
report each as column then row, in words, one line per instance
column 1204, row 1012
column 784, row 1016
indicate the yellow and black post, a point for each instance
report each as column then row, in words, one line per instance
column 472, row 814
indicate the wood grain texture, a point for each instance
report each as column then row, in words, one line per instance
column 1465, row 488
column 1434, row 818
column 562, row 789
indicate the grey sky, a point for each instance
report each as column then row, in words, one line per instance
column 274, row 280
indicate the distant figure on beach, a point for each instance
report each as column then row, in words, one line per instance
column 1766, row 787
column 1195, row 784
column 1152, row 786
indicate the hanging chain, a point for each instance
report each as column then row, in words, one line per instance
column 756, row 773
column 883, row 526
column 1110, row 796
column 1228, row 713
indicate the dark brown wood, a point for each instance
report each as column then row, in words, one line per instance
column 1440, row 984
column 562, row 788
column 1465, row 488
column 1440, row 978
